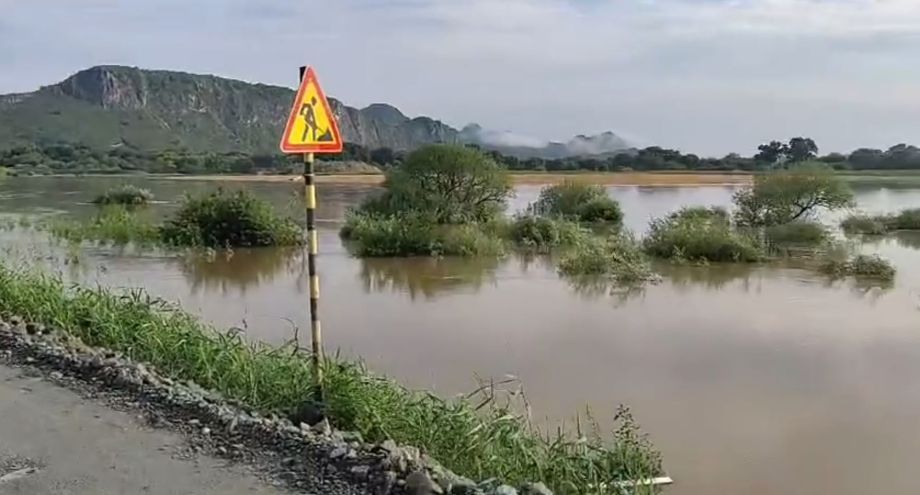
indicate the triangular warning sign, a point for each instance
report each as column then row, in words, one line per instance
column 311, row 127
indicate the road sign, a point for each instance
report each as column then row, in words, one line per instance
column 311, row 127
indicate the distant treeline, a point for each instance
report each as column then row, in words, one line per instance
column 75, row 158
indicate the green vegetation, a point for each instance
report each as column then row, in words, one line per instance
column 216, row 219
column 476, row 438
column 868, row 266
column 114, row 224
column 865, row 224
column 579, row 202
column 908, row 219
column 411, row 234
column 543, row 234
column 787, row 195
column 700, row 235
column 126, row 195
column 617, row 257
column 798, row 233
column 223, row 219
column 442, row 200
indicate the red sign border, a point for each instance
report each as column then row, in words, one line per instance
column 286, row 147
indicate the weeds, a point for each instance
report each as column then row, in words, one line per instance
column 700, row 235
column 865, row 224
column 798, row 233
column 578, row 201
column 479, row 436
column 867, row 266
column 126, row 195
column 617, row 257
column 113, row 224
column 543, row 234
column 410, row 234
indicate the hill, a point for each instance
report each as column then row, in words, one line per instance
column 105, row 107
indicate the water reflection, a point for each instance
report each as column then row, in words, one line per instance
column 224, row 270
column 711, row 277
column 594, row 288
column 908, row 239
column 427, row 277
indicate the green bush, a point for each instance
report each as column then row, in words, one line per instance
column 481, row 437
column 578, row 201
column 905, row 220
column 868, row 266
column 543, row 233
column 114, row 224
column 617, row 256
column 796, row 193
column 126, row 195
column 801, row 233
column 225, row 219
column 865, row 224
column 688, row 235
column 410, row 234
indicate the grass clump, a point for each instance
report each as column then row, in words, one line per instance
column 114, row 224
column 479, row 439
column 618, row 257
column 799, row 233
column 862, row 265
column 908, row 219
column 126, row 195
column 700, row 235
column 579, row 202
column 543, row 234
column 229, row 219
column 412, row 234
column 865, row 224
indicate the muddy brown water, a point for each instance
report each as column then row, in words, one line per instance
column 750, row 379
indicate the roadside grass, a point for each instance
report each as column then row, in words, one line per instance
column 478, row 436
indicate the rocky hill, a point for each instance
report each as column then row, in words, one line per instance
column 151, row 109
column 111, row 106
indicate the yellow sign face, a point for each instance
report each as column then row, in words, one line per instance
column 311, row 127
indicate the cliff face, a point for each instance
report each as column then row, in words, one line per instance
column 152, row 109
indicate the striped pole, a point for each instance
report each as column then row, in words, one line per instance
column 312, row 251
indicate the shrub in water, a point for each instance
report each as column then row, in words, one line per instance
column 225, row 219
column 796, row 233
column 863, row 265
column 905, row 220
column 617, row 256
column 126, row 195
column 689, row 235
column 411, row 234
column 865, row 224
column 578, row 201
column 114, row 224
column 544, row 233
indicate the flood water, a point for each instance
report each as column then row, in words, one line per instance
column 749, row 379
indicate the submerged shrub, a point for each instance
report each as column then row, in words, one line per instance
column 578, row 201
column 796, row 233
column 114, row 224
column 865, row 224
column 617, row 256
column 544, row 233
column 481, row 437
column 229, row 219
column 693, row 235
column 863, row 265
column 410, row 234
column 796, row 193
column 908, row 219
column 126, row 195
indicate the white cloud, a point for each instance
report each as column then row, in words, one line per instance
column 709, row 76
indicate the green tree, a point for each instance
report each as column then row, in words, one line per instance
column 801, row 149
column 785, row 195
column 771, row 152
column 447, row 183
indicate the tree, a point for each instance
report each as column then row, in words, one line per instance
column 448, row 183
column 771, row 152
column 801, row 149
column 785, row 195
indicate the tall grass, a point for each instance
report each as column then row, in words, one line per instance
column 543, row 234
column 865, row 224
column 411, row 234
column 617, row 256
column 481, row 440
column 798, row 233
column 700, row 235
column 113, row 224
column 126, row 195
column 863, row 266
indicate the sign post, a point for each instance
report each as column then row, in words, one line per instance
column 311, row 128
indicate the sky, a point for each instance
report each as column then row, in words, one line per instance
column 704, row 76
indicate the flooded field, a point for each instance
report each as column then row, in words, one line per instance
column 751, row 379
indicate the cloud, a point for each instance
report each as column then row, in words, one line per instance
column 707, row 76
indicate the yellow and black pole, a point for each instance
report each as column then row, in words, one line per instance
column 316, row 333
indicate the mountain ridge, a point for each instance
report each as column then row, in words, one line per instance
column 114, row 105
